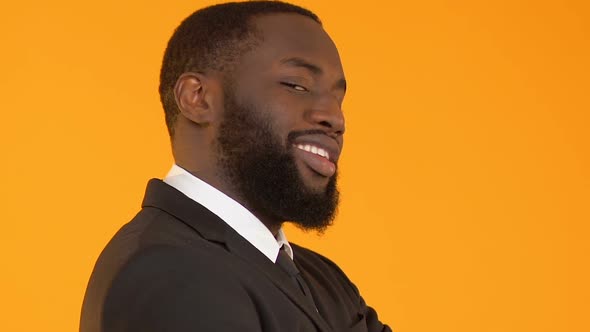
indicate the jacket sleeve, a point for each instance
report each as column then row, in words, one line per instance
column 166, row 289
column 373, row 322
column 370, row 317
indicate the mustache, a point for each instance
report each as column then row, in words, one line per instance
column 296, row 134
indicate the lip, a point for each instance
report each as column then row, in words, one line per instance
column 321, row 141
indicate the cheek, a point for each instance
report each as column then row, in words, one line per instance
column 282, row 109
column 282, row 116
column 287, row 111
column 283, row 125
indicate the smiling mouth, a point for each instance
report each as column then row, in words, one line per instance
column 316, row 158
column 314, row 149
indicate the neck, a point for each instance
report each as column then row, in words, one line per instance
column 273, row 224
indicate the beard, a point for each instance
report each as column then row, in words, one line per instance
column 256, row 162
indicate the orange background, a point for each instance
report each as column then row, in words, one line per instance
column 465, row 175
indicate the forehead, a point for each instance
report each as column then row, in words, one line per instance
column 292, row 35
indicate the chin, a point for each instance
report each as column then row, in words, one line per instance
column 313, row 181
column 316, row 183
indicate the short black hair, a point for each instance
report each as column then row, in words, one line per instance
column 213, row 38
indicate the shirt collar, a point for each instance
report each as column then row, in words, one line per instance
column 230, row 211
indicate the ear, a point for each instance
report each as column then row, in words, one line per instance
column 191, row 93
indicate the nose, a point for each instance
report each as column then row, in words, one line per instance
column 327, row 114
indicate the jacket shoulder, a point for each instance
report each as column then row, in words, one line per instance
column 319, row 264
column 172, row 288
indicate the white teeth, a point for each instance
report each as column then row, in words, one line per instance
column 314, row 150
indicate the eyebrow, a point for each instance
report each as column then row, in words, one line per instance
column 314, row 69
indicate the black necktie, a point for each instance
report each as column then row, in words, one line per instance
column 287, row 264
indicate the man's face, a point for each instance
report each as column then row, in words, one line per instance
column 281, row 134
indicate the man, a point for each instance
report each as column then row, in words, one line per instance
column 252, row 94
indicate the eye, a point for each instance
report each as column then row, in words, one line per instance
column 294, row 86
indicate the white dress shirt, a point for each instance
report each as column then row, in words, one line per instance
column 230, row 211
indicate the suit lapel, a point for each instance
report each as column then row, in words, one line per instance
column 164, row 197
column 242, row 248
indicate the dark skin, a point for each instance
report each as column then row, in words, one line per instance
column 295, row 76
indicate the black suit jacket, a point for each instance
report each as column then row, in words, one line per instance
column 178, row 267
